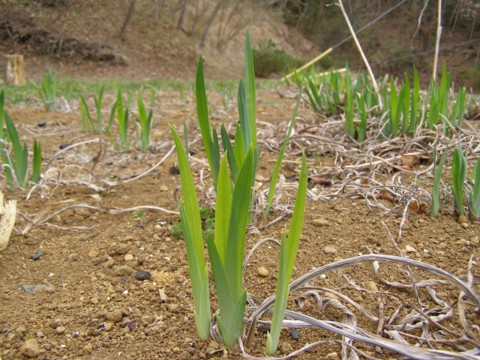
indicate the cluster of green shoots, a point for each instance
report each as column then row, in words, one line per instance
column 48, row 90
column 461, row 186
column 120, row 112
column 401, row 107
column 15, row 155
column 233, row 173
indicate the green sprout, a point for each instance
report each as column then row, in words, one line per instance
column 145, row 122
column 48, row 90
column 437, row 175
column 288, row 254
column 474, row 195
column 459, row 168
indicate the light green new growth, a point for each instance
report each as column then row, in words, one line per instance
column 437, row 175
column 213, row 155
column 459, row 168
column 18, row 160
column 37, row 162
column 48, row 90
column 145, row 122
column 227, row 248
column 403, row 111
column 86, row 117
column 349, row 111
column 288, row 255
column 122, row 118
column 474, row 195
column 245, row 136
column 192, row 231
column 2, row 103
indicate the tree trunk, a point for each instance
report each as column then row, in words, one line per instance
column 183, row 11
column 131, row 10
column 209, row 23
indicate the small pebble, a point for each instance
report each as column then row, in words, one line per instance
column 262, row 271
column 55, row 323
column 174, row 170
column 92, row 254
column 462, row 219
column 142, row 275
column 41, row 124
column 321, row 222
column 462, row 242
column 294, row 334
column 330, row 249
column 32, row 289
column 37, row 255
column 332, row 356
column 73, row 257
column 163, row 296
column 114, row 316
column 118, row 249
column 286, row 348
column 109, row 263
column 128, row 257
column 30, row 348
column 60, row 330
column 124, row 270
column 262, row 329
column 371, row 285
column 410, row 249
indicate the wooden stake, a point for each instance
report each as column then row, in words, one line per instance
column 437, row 41
column 15, row 74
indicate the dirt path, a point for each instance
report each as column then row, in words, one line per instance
column 115, row 286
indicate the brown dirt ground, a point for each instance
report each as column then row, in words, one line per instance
column 76, row 318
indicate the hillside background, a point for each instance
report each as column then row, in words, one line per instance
column 148, row 39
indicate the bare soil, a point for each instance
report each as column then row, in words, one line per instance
column 92, row 305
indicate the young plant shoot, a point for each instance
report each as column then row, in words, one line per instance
column 474, row 195
column 18, row 159
column 227, row 248
column 192, row 231
column 459, row 168
column 145, row 122
column 288, row 255
column 437, row 175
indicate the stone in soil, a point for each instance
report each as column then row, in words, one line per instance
column 30, row 348
column 286, row 348
column 32, row 289
column 321, row 222
column 410, row 249
column 142, row 275
column 262, row 271
column 37, row 255
column 115, row 316
column 92, row 254
column 329, row 249
column 163, row 295
column 372, row 286
column 124, row 270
